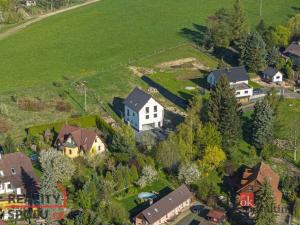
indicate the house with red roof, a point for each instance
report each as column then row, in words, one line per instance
column 253, row 178
column 75, row 141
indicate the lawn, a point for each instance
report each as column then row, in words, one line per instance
column 98, row 43
column 129, row 201
column 98, row 39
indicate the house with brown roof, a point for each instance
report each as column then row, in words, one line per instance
column 166, row 208
column 16, row 174
column 293, row 52
column 74, row 141
column 17, row 177
column 216, row 216
column 253, row 178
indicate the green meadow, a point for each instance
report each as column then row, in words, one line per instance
column 102, row 39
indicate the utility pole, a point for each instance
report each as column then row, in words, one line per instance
column 82, row 85
column 260, row 8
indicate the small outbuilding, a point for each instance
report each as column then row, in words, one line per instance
column 216, row 216
column 272, row 74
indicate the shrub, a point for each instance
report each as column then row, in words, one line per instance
column 297, row 208
column 57, row 84
column 29, row 104
column 149, row 175
column 63, row 106
column 3, row 109
column 4, row 125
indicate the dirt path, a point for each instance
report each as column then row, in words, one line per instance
column 41, row 17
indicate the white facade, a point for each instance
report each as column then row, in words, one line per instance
column 244, row 93
column 211, row 80
column 6, row 188
column 30, row 3
column 150, row 116
column 242, row 89
column 278, row 77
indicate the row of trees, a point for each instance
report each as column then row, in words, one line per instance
column 257, row 48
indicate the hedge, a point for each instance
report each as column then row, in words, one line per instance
column 84, row 122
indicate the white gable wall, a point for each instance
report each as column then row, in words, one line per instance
column 154, row 118
column 278, row 77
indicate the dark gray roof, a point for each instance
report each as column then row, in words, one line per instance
column 271, row 71
column 233, row 74
column 165, row 205
column 293, row 49
column 240, row 86
column 137, row 99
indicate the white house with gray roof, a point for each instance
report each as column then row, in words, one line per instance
column 238, row 79
column 142, row 112
column 272, row 75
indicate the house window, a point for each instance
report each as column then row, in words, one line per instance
column 13, row 171
column 133, row 114
column 128, row 112
column 155, row 108
column 159, row 124
column 238, row 93
column 147, row 109
column 99, row 148
column 246, row 92
column 70, row 151
column 277, row 78
column 9, row 186
column 155, row 115
column 147, row 117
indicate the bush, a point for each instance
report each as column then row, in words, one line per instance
column 84, row 122
column 63, row 106
column 297, row 208
column 29, row 104
column 57, row 84
column 4, row 126
column 3, row 109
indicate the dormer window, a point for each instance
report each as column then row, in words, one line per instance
column 13, row 171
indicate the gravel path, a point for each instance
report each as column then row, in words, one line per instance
column 41, row 17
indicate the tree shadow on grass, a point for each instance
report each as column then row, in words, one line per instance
column 296, row 9
column 200, row 81
column 172, row 120
column 228, row 55
column 166, row 93
column 196, row 35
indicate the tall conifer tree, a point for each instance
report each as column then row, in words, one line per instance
column 265, row 205
column 224, row 113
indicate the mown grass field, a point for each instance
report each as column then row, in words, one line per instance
column 98, row 42
column 106, row 36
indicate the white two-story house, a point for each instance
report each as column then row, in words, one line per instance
column 142, row 112
column 238, row 79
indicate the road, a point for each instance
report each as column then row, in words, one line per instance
column 41, row 17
